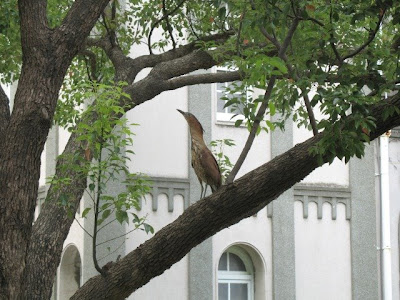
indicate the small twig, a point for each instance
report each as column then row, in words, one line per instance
column 240, row 31
column 116, row 249
column 310, row 112
column 332, row 38
column 96, row 214
column 169, row 28
column 372, row 35
column 166, row 15
column 91, row 64
column 83, row 228
column 113, row 220
column 118, row 237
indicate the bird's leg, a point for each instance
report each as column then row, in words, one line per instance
column 205, row 190
column 202, row 189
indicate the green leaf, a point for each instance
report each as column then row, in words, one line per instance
column 272, row 108
column 122, row 216
column 105, row 214
column 238, row 122
column 148, row 228
column 85, row 212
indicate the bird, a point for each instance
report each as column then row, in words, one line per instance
column 203, row 161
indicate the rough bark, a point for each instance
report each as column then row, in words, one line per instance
column 206, row 217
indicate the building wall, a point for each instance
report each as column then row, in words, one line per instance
column 335, row 174
column 323, row 269
column 161, row 140
column 394, row 186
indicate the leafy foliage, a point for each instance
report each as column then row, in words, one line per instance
column 224, row 163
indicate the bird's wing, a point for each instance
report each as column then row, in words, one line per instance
column 210, row 165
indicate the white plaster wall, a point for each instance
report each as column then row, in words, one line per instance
column 254, row 232
column 394, row 187
column 42, row 178
column 323, row 258
column 63, row 137
column 335, row 174
column 173, row 283
column 161, row 141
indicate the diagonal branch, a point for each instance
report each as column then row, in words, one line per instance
column 371, row 37
column 206, row 217
column 4, row 111
column 76, row 26
column 261, row 111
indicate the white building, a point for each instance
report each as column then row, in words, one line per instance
column 319, row 240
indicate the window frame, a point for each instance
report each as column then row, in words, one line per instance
column 225, row 118
column 237, row 277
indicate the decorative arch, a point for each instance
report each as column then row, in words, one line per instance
column 70, row 272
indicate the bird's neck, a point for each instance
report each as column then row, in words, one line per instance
column 197, row 137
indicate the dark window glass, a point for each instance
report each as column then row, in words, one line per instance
column 223, row 262
column 239, row 291
column 235, row 263
column 222, row 291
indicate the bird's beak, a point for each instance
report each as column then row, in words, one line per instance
column 182, row 112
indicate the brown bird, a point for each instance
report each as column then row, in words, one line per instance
column 203, row 162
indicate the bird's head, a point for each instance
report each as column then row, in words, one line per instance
column 194, row 124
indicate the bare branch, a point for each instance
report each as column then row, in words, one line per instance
column 169, row 27
column 253, row 132
column 264, row 105
column 332, row 38
column 91, row 64
column 371, row 37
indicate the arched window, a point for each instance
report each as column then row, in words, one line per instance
column 70, row 272
column 235, row 275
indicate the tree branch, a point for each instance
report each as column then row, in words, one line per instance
column 371, row 37
column 261, row 111
column 203, row 78
column 206, row 217
column 164, row 17
column 33, row 24
column 76, row 26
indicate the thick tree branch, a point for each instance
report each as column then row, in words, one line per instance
column 4, row 111
column 186, row 80
column 33, row 24
column 206, row 217
column 69, row 37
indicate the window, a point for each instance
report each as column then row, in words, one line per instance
column 226, row 91
column 235, row 275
